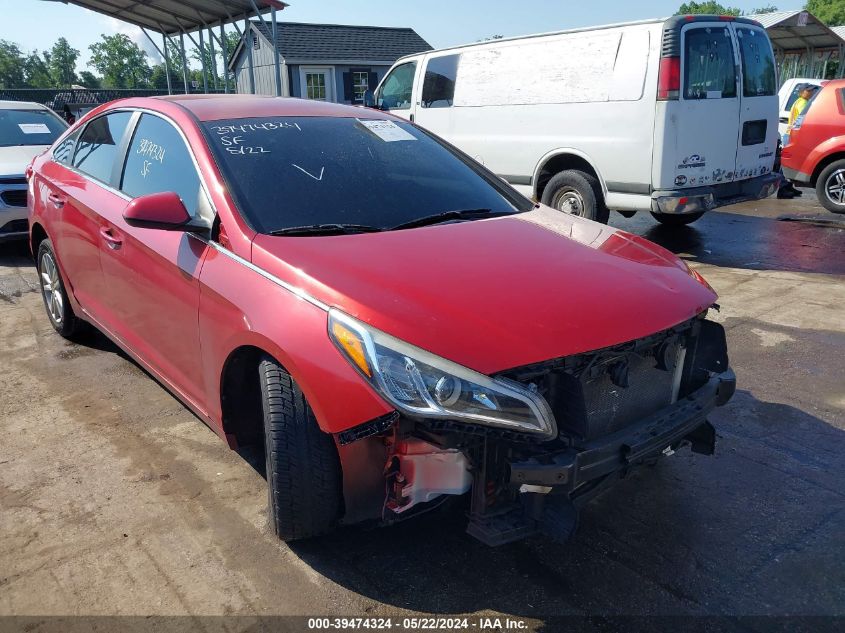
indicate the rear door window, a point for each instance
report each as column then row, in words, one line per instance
column 158, row 160
column 439, row 83
column 397, row 89
column 709, row 71
column 63, row 152
column 98, row 146
column 758, row 63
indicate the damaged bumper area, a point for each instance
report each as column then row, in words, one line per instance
column 615, row 410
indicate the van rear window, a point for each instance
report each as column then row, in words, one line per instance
column 758, row 63
column 709, row 71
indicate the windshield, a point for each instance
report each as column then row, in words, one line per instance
column 29, row 127
column 288, row 172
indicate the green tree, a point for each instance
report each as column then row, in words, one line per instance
column 709, row 7
column 11, row 65
column 36, row 71
column 831, row 12
column 122, row 63
column 89, row 80
column 63, row 63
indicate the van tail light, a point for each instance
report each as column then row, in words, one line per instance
column 727, row 18
column 669, row 79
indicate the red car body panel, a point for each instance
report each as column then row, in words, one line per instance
column 500, row 293
column 821, row 134
column 490, row 294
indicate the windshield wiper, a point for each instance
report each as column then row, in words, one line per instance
column 446, row 216
column 327, row 229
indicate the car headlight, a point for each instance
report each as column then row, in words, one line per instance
column 422, row 384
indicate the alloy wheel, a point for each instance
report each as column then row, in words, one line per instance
column 835, row 186
column 51, row 288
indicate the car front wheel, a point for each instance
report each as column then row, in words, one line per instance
column 53, row 292
column 573, row 191
column 303, row 470
column 830, row 187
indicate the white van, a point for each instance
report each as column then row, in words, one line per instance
column 673, row 116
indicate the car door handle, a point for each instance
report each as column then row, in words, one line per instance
column 58, row 201
column 110, row 238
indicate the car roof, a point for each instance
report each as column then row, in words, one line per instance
column 217, row 107
column 22, row 105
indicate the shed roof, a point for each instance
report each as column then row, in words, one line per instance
column 298, row 41
column 175, row 16
column 798, row 30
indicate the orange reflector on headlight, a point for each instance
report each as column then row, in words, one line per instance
column 352, row 345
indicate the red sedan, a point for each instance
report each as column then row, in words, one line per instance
column 391, row 322
column 814, row 155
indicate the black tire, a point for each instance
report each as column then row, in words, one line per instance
column 303, row 469
column 53, row 292
column 832, row 176
column 681, row 219
column 587, row 200
column 626, row 214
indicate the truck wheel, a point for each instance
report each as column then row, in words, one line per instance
column 679, row 219
column 830, row 187
column 303, row 469
column 575, row 192
column 53, row 292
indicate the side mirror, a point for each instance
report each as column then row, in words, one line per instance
column 158, row 211
column 369, row 99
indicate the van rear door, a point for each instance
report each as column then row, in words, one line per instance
column 758, row 124
column 701, row 126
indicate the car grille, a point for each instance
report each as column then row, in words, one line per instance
column 609, row 407
column 14, row 197
column 15, row 226
column 598, row 393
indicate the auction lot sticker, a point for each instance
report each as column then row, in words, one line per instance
column 34, row 128
column 387, row 130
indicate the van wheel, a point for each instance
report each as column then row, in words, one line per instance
column 830, row 187
column 676, row 219
column 575, row 192
column 53, row 292
column 303, row 469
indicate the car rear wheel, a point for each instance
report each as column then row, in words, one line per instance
column 676, row 219
column 303, row 469
column 53, row 292
column 573, row 191
column 830, row 187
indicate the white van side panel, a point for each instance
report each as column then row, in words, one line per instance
column 520, row 100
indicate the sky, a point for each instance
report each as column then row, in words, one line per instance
column 37, row 24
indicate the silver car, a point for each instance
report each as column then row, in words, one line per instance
column 26, row 130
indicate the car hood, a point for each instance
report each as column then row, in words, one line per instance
column 14, row 160
column 499, row 293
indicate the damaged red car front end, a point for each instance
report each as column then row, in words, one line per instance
column 385, row 320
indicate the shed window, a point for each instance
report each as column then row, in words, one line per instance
column 360, row 85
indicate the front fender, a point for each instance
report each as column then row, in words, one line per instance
column 240, row 307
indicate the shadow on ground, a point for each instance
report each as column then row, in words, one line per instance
column 753, row 530
column 783, row 241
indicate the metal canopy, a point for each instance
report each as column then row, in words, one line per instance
column 172, row 17
column 797, row 30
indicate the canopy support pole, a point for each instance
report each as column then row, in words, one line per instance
column 276, row 52
column 213, row 58
column 222, row 41
column 248, row 43
column 201, row 49
column 184, row 61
